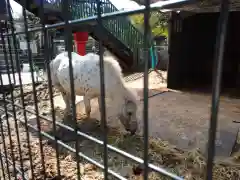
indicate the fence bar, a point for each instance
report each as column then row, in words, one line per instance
column 112, row 148
column 90, row 160
column 33, row 86
column 12, row 106
column 145, row 86
column 125, row 154
column 11, row 93
column 17, row 169
column 69, row 48
column 77, row 22
column 20, row 83
column 5, row 105
column 67, row 25
column 47, row 52
column 4, row 146
column 217, row 76
column 2, row 165
column 102, row 87
column 10, row 53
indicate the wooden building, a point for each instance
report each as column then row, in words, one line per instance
column 192, row 41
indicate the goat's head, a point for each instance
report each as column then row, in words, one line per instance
column 128, row 116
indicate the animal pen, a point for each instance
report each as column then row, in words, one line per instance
column 13, row 166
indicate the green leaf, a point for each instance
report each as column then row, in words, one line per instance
column 158, row 23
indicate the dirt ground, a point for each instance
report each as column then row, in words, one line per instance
column 181, row 118
column 175, row 119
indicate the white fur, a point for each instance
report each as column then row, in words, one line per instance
column 86, row 75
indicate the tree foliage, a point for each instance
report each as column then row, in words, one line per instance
column 158, row 23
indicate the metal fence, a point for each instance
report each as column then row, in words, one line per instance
column 67, row 25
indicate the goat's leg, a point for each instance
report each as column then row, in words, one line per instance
column 66, row 99
column 87, row 106
column 68, row 111
column 100, row 110
column 99, row 104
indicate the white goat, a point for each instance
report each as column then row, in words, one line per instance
column 86, row 75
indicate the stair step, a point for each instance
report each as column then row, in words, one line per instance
column 120, row 27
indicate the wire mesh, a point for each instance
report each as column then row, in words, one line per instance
column 8, row 113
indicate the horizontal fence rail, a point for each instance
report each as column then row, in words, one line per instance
column 9, row 109
column 78, row 22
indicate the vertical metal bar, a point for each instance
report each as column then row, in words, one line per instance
column 2, row 165
column 3, row 137
column 4, row 144
column 21, row 87
column 217, row 75
column 10, row 53
column 68, row 47
column 14, row 115
column 50, row 36
column 102, row 87
column 2, row 134
column 4, row 99
column 46, row 57
column 12, row 97
column 33, row 86
column 145, row 88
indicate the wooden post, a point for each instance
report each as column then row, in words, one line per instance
column 171, row 45
column 175, row 42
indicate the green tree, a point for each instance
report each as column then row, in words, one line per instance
column 158, row 23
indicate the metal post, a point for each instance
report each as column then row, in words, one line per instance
column 102, row 87
column 145, row 88
column 217, row 75
column 67, row 25
column 31, row 64
column 69, row 48
column 18, row 66
column 47, row 52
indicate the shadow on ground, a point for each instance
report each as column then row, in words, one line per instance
column 167, row 123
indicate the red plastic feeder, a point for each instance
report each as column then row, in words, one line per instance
column 81, row 39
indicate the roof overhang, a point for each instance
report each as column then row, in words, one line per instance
column 205, row 6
